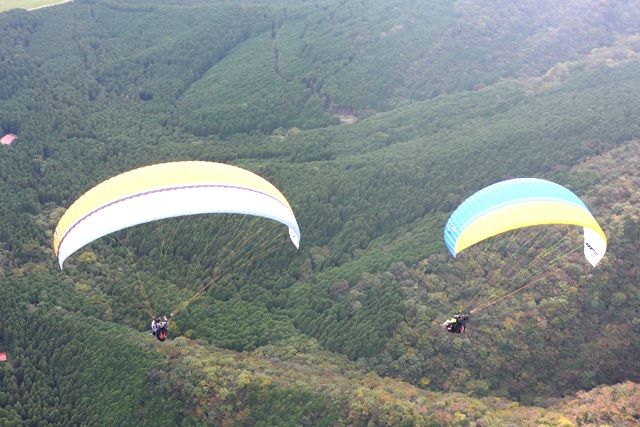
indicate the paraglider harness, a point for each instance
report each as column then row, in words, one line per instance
column 160, row 328
column 457, row 324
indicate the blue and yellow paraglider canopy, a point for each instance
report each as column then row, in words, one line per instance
column 518, row 203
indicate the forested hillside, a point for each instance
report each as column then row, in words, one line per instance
column 375, row 119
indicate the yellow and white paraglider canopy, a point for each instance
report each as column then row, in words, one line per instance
column 168, row 190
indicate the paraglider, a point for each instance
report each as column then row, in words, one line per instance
column 517, row 204
column 457, row 324
column 159, row 328
column 169, row 190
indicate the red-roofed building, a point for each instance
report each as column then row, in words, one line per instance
column 7, row 139
column 3, row 357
